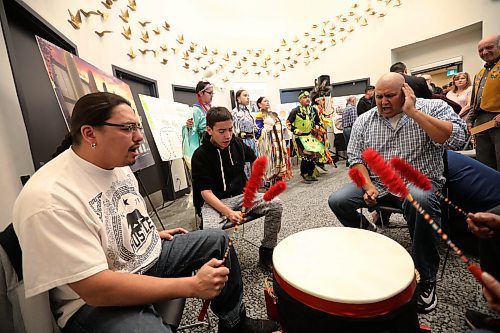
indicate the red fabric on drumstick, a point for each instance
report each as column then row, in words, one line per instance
column 275, row 190
column 357, row 177
column 254, row 181
column 378, row 165
column 396, row 185
column 476, row 271
column 414, row 176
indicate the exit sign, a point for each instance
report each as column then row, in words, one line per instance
column 451, row 72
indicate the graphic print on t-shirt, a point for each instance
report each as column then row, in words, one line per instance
column 140, row 227
column 132, row 238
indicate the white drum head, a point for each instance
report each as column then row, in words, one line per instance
column 344, row 265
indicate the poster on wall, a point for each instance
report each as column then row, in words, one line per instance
column 283, row 110
column 165, row 119
column 339, row 103
column 72, row 77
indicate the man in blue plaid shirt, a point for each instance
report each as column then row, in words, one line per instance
column 348, row 117
column 418, row 131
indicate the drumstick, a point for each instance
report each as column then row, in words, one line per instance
column 359, row 179
column 420, row 180
column 249, row 193
column 396, row 185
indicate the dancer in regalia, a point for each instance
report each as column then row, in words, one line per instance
column 244, row 123
column 320, row 132
column 271, row 143
column 301, row 121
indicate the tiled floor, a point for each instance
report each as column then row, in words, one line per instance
column 305, row 206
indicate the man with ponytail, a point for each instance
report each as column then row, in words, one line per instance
column 87, row 238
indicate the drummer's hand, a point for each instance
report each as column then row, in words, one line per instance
column 491, row 291
column 210, row 279
column 483, row 225
column 234, row 216
column 469, row 126
column 169, row 234
column 497, row 120
column 370, row 196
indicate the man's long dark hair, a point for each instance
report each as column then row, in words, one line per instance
column 92, row 109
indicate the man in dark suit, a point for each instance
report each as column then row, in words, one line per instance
column 418, row 84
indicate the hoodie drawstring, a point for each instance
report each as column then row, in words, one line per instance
column 230, row 157
column 222, row 171
column 222, row 167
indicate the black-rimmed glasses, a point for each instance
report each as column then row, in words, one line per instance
column 131, row 127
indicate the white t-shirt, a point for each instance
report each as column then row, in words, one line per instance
column 394, row 120
column 73, row 220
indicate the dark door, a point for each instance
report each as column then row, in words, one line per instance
column 157, row 177
column 184, row 95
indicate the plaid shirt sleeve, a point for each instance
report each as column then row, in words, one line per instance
column 443, row 111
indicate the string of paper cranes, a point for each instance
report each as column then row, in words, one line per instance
column 156, row 41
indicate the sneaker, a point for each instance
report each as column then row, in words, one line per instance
column 370, row 227
column 376, row 218
column 304, row 179
column 322, row 167
column 478, row 320
column 266, row 258
column 311, row 178
column 427, row 298
column 250, row 325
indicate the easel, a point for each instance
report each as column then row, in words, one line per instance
column 141, row 184
column 171, row 177
column 174, row 196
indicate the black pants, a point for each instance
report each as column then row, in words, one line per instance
column 307, row 163
column 489, row 256
column 306, row 166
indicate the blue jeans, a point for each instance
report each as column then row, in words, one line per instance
column 425, row 255
column 475, row 187
column 347, row 134
column 179, row 257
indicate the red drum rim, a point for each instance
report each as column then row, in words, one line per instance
column 367, row 310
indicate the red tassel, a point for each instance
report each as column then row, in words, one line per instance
column 378, row 165
column 357, row 177
column 254, row 181
column 414, row 176
column 476, row 271
column 274, row 191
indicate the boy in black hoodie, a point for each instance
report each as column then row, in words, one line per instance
column 219, row 179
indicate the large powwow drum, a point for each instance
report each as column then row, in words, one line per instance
column 344, row 280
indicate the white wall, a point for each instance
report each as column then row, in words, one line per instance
column 462, row 42
column 228, row 25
